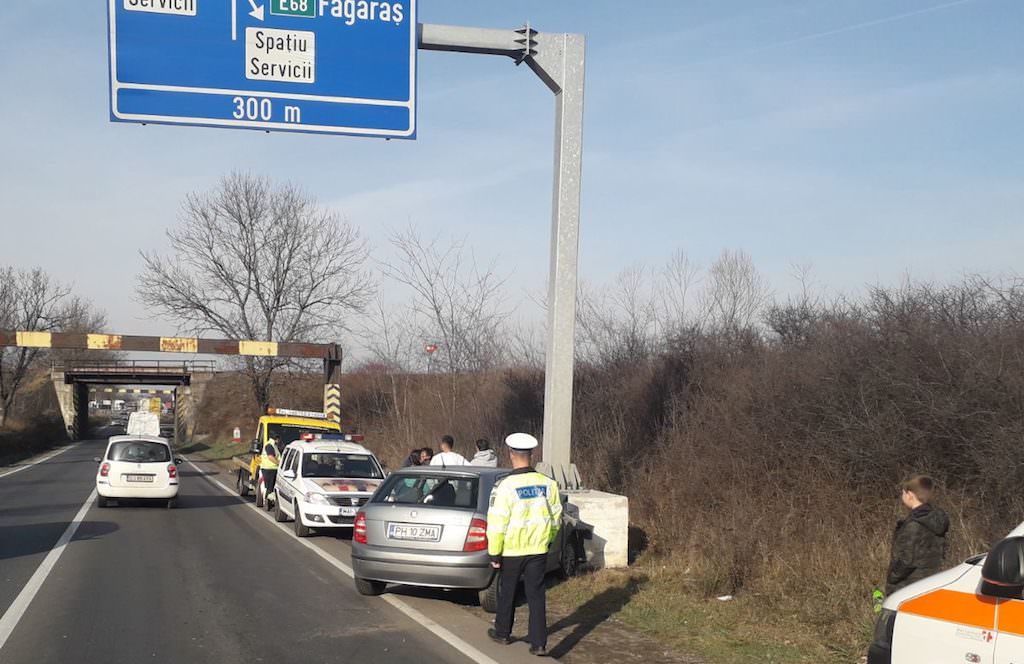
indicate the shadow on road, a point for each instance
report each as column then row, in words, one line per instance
column 201, row 473
column 36, row 510
column 185, row 502
column 458, row 597
column 30, row 539
column 589, row 616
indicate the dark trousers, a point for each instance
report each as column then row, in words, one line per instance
column 531, row 570
column 270, row 479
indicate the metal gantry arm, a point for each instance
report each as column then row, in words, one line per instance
column 560, row 61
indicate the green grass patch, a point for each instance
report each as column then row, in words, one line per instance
column 214, row 450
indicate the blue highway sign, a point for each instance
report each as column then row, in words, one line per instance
column 324, row 66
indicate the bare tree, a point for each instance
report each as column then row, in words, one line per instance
column 617, row 323
column 32, row 300
column 527, row 345
column 390, row 335
column 735, row 293
column 252, row 259
column 794, row 320
column 677, row 279
column 456, row 303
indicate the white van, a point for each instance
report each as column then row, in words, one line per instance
column 143, row 424
column 972, row 613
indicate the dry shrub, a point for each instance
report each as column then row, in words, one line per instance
column 764, row 463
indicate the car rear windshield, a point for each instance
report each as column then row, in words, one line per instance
column 139, row 451
column 337, row 464
column 430, row 490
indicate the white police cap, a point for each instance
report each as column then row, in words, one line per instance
column 521, row 441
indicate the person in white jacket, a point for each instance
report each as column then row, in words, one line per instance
column 484, row 456
column 447, row 456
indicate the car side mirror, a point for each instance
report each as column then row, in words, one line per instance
column 1003, row 572
column 97, row 459
column 288, row 474
column 178, row 461
column 255, row 447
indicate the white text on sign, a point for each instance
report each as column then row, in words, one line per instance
column 288, row 56
column 178, row 7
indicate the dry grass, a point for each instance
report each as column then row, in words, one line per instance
column 668, row 606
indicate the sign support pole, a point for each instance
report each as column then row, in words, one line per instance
column 559, row 60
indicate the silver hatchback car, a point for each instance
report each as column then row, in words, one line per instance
column 427, row 526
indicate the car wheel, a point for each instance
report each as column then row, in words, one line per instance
column 259, row 494
column 101, row 501
column 301, row 530
column 172, row 503
column 489, row 595
column 279, row 514
column 242, row 484
column 368, row 587
column 568, row 561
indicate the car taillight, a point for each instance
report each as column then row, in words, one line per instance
column 104, row 469
column 476, row 538
column 172, row 471
column 359, row 528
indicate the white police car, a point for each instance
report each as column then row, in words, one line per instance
column 323, row 480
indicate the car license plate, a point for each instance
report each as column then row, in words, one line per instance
column 414, row 532
column 349, row 511
column 138, row 478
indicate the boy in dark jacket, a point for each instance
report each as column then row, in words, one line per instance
column 919, row 543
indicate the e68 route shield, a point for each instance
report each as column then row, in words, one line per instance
column 322, row 66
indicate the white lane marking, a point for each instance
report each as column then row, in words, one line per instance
column 21, row 603
column 437, row 630
column 39, row 460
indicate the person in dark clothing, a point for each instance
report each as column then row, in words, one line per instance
column 413, row 459
column 919, row 543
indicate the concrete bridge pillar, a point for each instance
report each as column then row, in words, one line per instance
column 73, row 399
column 186, row 404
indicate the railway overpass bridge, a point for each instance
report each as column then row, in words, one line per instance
column 74, row 379
column 188, row 379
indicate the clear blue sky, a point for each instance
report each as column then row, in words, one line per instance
column 871, row 138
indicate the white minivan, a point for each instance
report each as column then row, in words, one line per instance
column 137, row 467
column 972, row 613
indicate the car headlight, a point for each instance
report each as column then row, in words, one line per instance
column 884, row 628
column 317, row 499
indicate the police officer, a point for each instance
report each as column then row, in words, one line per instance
column 268, row 466
column 523, row 519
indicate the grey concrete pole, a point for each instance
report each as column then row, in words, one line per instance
column 559, row 60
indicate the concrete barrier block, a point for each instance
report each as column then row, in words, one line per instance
column 608, row 515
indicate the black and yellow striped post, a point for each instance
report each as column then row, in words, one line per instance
column 332, row 383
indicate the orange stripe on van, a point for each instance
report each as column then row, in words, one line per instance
column 955, row 607
column 1011, row 617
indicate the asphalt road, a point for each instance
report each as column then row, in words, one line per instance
column 212, row 581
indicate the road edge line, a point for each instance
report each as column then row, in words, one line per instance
column 14, row 613
column 441, row 632
column 39, row 460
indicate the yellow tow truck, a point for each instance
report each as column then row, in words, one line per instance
column 284, row 426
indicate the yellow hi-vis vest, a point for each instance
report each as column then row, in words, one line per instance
column 268, row 462
column 524, row 516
